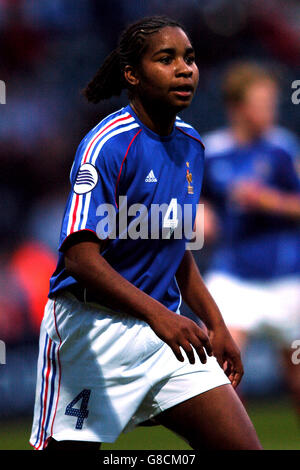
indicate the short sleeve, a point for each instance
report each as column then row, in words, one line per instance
column 287, row 174
column 94, row 177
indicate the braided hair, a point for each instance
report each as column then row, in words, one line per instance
column 109, row 79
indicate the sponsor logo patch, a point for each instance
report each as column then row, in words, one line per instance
column 86, row 179
column 151, row 178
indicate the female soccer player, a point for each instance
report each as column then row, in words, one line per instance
column 252, row 193
column 114, row 350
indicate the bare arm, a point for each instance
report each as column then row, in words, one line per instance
column 195, row 293
column 85, row 263
column 253, row 196
column 198, row 298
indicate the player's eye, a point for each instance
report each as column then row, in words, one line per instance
column 165, row 59
column 190, row 59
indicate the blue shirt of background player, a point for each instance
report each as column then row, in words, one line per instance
column 150, row 265
column 252, row 245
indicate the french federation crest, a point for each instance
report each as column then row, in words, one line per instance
column 189, row 178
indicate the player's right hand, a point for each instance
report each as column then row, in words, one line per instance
column 181, row 332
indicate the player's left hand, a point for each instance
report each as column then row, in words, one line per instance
column 227, row 354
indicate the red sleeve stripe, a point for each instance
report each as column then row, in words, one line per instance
column 77, row 201
column 192, row 137
column 112, row 123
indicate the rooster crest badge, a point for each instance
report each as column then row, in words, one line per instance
column 189, row 178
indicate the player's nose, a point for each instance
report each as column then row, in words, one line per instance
column 183, row 69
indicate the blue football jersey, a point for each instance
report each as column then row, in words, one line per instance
column 123, row 164
column 252, row 245
column 285, row 139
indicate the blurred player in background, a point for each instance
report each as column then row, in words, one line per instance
column 252, row 215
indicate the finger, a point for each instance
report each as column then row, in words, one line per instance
column 202, row 355
column 227, row 367
column 236, row 371
column 176, row 350
column 205, row 342
column 199, row 349
column 237, row 364
column 196, row 342
column 189, row 352
column 236, row 378
column 219, row 358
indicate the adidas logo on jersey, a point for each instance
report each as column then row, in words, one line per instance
column 151, row 178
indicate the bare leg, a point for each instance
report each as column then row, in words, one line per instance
column 72, row 445
column 214, row 420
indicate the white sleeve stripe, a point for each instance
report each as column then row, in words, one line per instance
column 183, row 124
column 112, row 134
column 118, row 121
column 78, row 212
column 100, row 135
column 71, row 213
column 86, row 210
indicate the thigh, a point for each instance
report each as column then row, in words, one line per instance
column 215, row 420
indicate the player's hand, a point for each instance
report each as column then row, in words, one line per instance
column 227, row 354
column 181, row 332
column 252, row 195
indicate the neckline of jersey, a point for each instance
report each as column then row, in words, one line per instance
column 152, row 134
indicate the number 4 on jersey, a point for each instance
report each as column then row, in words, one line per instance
column 170, row 219
column 82, row 412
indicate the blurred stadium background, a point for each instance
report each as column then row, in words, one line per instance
column 49, row 50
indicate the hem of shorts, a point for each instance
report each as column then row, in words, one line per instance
column 168, row 404
column 42, row 447
column 86, row 437
column 175, row 401
column 73, row 437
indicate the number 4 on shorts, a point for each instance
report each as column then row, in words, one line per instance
column 81, row 412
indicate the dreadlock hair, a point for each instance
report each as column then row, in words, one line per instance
column 109, row 79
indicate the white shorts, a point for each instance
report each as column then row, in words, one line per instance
column 252, row 306
column 101, row 373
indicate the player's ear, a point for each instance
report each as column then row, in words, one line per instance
column 131, row 75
